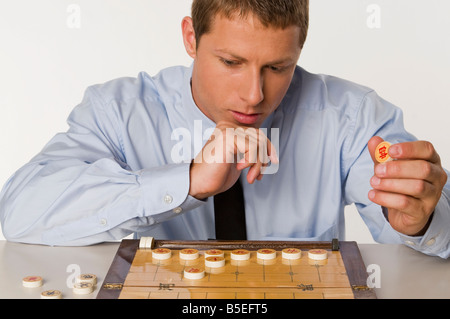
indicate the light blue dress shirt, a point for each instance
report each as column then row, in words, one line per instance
column 114, row 172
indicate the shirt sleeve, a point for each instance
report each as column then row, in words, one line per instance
column 375, row 116
column 80, row 191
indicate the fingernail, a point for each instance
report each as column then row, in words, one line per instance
column 380, row 170
column 394, row 151
column 371, row 194
column 375, row 181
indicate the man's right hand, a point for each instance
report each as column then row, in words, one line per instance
column 230, row 149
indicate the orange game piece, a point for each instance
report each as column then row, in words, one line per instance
column 32, row 281
column 214, row 262
column 318, row 254
column 189, row 254
column 240, row 254
column 194, row 273
column 161, row 253
column 266, row 254
column 214, row 253
column 381, row 152
column 291, row 253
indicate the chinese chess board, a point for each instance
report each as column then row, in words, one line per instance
column 136, row 274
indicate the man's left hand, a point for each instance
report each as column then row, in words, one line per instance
column 410, row 186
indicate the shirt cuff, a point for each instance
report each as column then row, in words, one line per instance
column 435, row 241
column 165, row 190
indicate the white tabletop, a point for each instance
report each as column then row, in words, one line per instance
column 403, row 273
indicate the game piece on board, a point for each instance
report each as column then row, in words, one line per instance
column 240, row 254
column 161, row 253
column 266, row 254
column 83, row 288
column 318, row 254
column 291, row 253
column 194, row 273
column 146, row 243
column 215, row 262
column 89, row 278
column 214, row 253
column 51, row 294
column 381, row 152
column 189, row 254
column 32, row 281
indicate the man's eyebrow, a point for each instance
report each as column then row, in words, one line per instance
column 233, row 55
column 287, row 60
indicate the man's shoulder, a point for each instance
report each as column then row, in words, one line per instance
column 141, row 87
column 319, row 91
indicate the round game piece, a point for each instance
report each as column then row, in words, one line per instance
column 381, row 152
column 194, row 273
column 240, row 254
column 161, row 253
column 146, row 243
column 51, row 294
column 83, row 288
column 318, row 254
column 189, row 254
column 32, row 281
column 266, row 254
column 214, row 253
column 291, row 253
column 89, row 278
column 214, row 262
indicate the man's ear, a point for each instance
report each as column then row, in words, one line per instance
column 190, row 43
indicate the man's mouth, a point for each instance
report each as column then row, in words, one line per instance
column 247, row 119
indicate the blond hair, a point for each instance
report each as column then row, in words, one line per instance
column 273, row 13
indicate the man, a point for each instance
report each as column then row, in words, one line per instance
column 119, row 168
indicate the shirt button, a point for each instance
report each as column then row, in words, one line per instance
column 410, row 243
column 168, row 199
column 177, row 210
column 431, row 242
column 103, row 221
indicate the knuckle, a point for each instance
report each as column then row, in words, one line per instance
column 403, row 203
column 420, row 187
column 430, row 148
column 426, row 169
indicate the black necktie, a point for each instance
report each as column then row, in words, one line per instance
column 229, row 214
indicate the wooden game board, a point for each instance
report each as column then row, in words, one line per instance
column 134, row 274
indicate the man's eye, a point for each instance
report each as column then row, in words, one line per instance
column 277, row 69
column 274, row 68
column 229, row 62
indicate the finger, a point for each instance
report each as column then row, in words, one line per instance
column 408, row 169
column 254, row 172
column 272, row 152
column 412, row 187
column 415, row 150
column 404, row 203
column 372, row 145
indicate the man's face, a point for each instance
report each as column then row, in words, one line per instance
column 242, row 69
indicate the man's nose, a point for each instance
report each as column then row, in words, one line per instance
column 252, row 88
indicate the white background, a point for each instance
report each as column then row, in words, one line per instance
column 51, row 50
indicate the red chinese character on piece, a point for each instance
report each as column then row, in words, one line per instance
column 382, row 152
